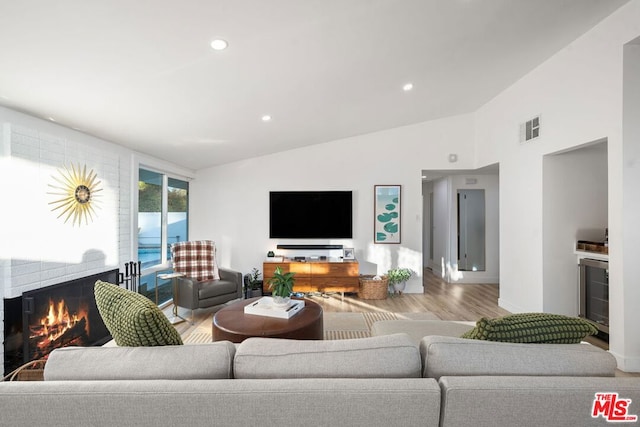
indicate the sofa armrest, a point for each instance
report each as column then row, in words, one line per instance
column 530, row 400
column 232, row 276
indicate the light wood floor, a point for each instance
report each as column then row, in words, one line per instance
column 448, row 301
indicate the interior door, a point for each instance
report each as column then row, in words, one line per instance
column 471, row 230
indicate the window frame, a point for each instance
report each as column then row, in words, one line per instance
column 167, row 171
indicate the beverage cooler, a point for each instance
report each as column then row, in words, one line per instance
column 594, row 292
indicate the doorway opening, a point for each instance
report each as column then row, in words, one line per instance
column 460, row 229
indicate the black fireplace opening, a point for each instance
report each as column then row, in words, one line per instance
column 55, row 316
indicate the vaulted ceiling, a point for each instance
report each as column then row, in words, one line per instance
column 143, row 74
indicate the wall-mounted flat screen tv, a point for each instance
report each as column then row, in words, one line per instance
column 310, row 214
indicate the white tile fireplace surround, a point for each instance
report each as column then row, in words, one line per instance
column 38, row 248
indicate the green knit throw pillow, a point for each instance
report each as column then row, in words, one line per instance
column 132, row 319
column 532, row 328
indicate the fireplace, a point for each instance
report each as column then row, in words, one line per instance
column 55, row 316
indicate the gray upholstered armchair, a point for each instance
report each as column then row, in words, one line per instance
column 204, row 284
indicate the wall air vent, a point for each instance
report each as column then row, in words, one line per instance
column 530, row 130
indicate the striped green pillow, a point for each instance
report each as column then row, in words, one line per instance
column 132, row 319
column 532, row 328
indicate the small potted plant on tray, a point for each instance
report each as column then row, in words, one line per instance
column 398, row 279
column 281, row 285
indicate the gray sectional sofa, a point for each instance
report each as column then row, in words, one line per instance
column 381, row 381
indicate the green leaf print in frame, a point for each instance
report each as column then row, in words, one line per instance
column 386, row 215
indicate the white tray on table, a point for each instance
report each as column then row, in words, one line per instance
column 265, row 307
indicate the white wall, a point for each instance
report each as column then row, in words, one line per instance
column 626, row 315
column 229, row 203
column 38, row 249
column 578, row 93
column 574, row 208
column 43, row 249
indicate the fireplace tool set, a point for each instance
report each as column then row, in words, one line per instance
column 131, row 275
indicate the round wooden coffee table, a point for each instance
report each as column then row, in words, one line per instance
column 232, row 324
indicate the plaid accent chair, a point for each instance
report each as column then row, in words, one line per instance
column 204, row 284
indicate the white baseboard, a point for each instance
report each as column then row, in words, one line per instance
column 627, row 364
column 509, row 306
column 478, row 279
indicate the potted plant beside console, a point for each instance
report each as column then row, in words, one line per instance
column 398, row 279
column 253, row 284
column 281, row 285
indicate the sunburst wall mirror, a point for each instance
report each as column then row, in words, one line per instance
column 78, row 189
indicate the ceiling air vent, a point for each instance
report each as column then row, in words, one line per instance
column 530, row 130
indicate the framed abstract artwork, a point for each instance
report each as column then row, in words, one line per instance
column 386, row 211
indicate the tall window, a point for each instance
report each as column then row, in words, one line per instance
column 162, row 216
column 163, row 213
column 150, row 201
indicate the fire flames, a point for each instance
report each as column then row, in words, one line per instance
column 57, row 322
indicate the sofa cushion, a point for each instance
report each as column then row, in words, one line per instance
column 195, row 259
column 132, row 319
column 390, row 356
column 184, row 362
column 460, row 356
column 532, row 328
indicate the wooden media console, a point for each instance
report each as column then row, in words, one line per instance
column 317, row 276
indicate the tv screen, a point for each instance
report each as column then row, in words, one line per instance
column 310, row 214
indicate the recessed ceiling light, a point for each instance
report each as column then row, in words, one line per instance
column 407, row 87
column 219, row 44
column 266, row 118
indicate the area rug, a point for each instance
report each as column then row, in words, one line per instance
column 337, row 326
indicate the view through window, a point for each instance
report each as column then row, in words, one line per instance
column 162, row 220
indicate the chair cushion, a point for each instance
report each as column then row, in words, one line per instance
column 195, row 259
column 133, row 319
column 214, row 288
column 389, row 356
column 532, row 328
